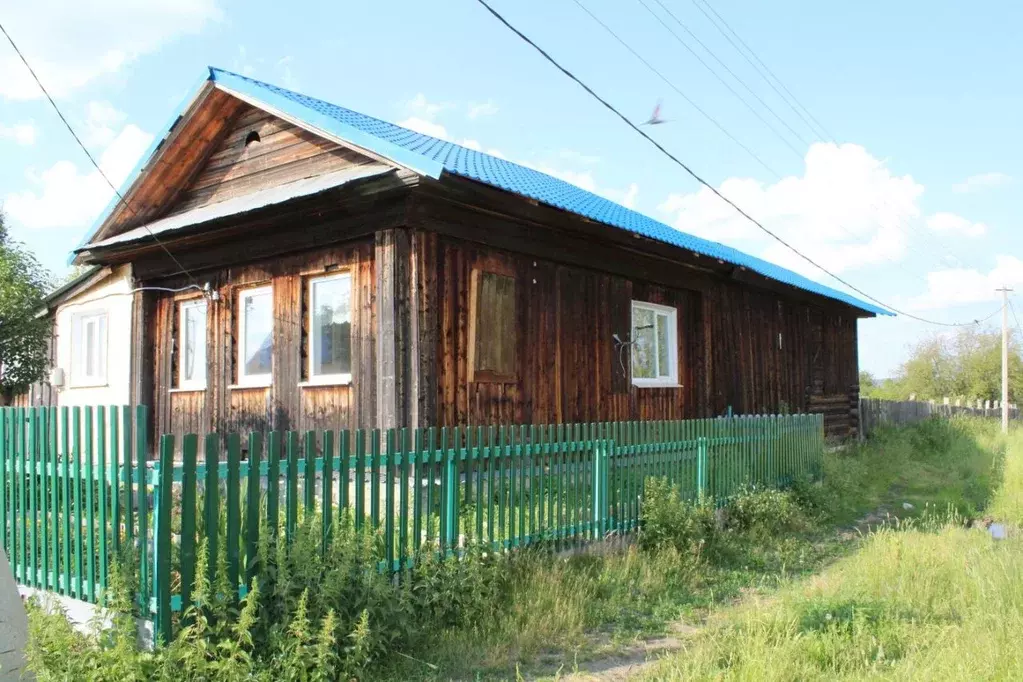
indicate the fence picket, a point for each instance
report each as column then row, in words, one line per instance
column 142, row 508
column 211, row 504
column 273, row 483
column 570, row 484
column 291, row 488
column 327, row 492
column 233, row 500
column 252, row 507
column 162, row 536
column 189, row 454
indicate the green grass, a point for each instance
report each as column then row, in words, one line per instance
column 818, row 598
column 924, row 599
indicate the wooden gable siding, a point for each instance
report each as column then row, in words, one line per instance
column 284, row 153
column 180, row 156
column 738, row 347
column 285, row 404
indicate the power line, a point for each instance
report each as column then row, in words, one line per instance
column 678, row 90
column 497, row 15
column 89, row 154
column 761, row 72
column 771, row 78
column 186, row 271
column 741, row 82
column 675, row 87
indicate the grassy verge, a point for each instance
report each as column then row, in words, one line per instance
column 924, row 600
column 560, row 614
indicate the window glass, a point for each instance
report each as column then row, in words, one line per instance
column 89, row 348
column 654, row 346
column 256, row 351
column 192, row 354
column 644, row 344
column 330, row 329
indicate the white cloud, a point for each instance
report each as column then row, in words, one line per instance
column 71, row 44
column 977, row 182
column 63, row 196
column 959, row 286
column 21, row 133
column 846, row 211
column 101, row 121
column 423, row 108
column 477, row 109
column 421, row 125
column 472, row 144
column 952, row 223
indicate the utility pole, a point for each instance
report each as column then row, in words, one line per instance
column 1005, row 358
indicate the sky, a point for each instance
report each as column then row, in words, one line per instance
column 888, row 149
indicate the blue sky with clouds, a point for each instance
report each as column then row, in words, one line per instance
column 905, row 181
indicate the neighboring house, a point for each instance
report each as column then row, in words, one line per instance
column 90, row 343
column 297, row 265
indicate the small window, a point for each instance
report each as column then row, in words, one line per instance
column 255, row 337
column 89, row 349
column 330, row 329
column 192, row 344
column 654, row 345
column 493, row 328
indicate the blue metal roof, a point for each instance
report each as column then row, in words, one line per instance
column 431, row 157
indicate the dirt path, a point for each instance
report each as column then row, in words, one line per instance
column 643, row 655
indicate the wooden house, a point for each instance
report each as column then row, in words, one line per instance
column 298, row 265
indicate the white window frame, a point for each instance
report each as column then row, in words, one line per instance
column 78, row 349
column 252, row 380
column 199, row 383
column 326, row 379
column 672, row 313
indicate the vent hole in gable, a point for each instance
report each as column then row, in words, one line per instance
column 252, row 138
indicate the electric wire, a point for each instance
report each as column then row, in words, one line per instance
column 941, row 260
column 89, row 154
column 770, row 78
column 497, row 15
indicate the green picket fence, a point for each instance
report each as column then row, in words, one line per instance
column 73, row 489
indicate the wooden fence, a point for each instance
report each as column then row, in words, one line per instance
column 875, row 412
column 74, row 490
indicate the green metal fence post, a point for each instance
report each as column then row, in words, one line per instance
column 162, row 494
column 450, row 501
column 599, row 496
column 701, row 467
column 142, row 507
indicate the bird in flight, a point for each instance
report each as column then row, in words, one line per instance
column 655, row 118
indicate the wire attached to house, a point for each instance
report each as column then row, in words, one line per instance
column 497, row 15
column 89, row 154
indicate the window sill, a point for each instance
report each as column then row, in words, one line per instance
column 102, row 384
column 188, row 389
column 656, row 384
column 341, row 381
column 254, row 385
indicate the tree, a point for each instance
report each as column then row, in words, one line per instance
column 966, row 365
column 23, row 336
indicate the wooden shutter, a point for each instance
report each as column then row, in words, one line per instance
column 493, row 332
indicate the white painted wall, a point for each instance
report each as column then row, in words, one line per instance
column 112, row 295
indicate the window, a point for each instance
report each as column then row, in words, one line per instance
column 654, row 345
column 89, row 349
column 330, row 329
column 255, row 337
column 192, row 344
column 493, row 330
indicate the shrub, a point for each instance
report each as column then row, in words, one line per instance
column 670, row 521
column 763, row 512
column 310, row 614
